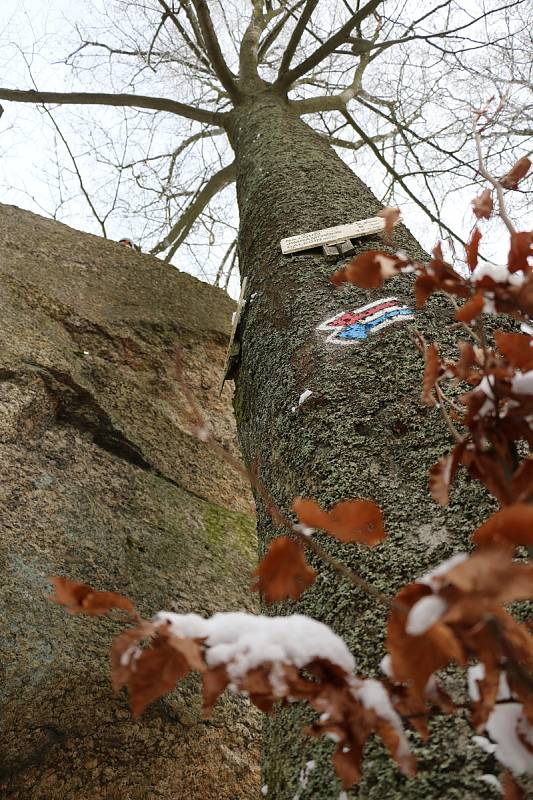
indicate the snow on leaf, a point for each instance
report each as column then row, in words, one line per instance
column 482, row 205
column 503, row 728
column 512, row 525
column 472, row 249
column 79, row 598
column 519, row 170
column 349, row 521
column 414, row 659
column 283, row 572
column 425, row 613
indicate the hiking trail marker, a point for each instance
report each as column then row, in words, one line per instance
column 336, row 241
column 354, row 327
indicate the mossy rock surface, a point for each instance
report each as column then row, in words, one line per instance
column 101, row 481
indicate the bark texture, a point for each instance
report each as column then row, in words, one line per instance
column 363, row 433
column 101, row 482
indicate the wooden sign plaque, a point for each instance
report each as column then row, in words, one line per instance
column 332, row 236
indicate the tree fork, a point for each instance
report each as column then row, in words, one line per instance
column 363, row 433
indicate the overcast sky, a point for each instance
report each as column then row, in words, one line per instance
column 31, row 31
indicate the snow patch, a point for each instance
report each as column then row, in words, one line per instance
column 424, row 614
column 498, row 272
column 245, row 641
column 492, row 780
column 502, row 728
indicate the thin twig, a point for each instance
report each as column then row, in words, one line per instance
column 502, row 208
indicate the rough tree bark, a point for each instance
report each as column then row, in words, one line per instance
column 101, row 481
column 363, row 433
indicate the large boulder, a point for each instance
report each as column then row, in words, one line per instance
column 101, row 481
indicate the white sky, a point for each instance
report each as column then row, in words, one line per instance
column 27, row 177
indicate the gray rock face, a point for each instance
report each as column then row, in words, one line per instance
column 101, row 481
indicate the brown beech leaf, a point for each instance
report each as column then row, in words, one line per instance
column 214, row 682
column 517, row 349
column 154, row 673
column 365, row 271
column 522, row 483
column 511, row 789
column 512, row 178
column 521, row 249
column 472, row 249
column 79, row 598
column 482, row 205
column 471, row 309
column 467, row 360
column 283, row 572
column 349, row 521
column 492, row 574
column 431, row 373
column 512, row 525
column 488, row 694
column 124, row 650
column 391, row 215
column 339, row 277
column 415, row 658
column 442, row 475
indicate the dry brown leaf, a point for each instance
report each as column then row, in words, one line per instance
column 431, row 373
column 391, row 215
column 512, row 178
column 214, row 682
column 482, row 205
column 472, row 249
column 80, row 598
column 521, row 250
column 283, row 572
column 517, row 349
column 511, row 789
column 154, row 673
column 512, row 525
column 492, row 574
column 471, row 309
column 349, row 521
column 442, row 474
column 415, row 658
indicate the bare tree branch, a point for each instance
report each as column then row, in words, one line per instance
column 118, row 100
column 223, row 73
column 170, row 14
column 273, row 34
column 296, row 35
column 390, row 169
column 181, row 228
column 328, row 47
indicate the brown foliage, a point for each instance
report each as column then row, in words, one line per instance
column 349, row 521
column 283, row 572
column 79, row 598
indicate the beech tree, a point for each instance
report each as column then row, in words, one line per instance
column 362, row 431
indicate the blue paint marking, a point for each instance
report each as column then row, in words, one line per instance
column 361, row 329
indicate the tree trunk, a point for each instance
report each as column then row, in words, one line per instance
column 101, row 481
column 363, row 433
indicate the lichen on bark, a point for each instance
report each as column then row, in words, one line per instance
column 363, row 433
